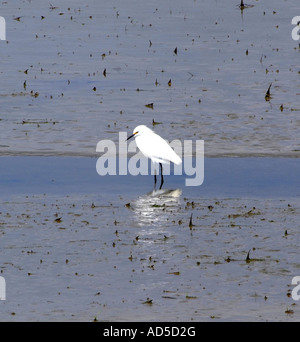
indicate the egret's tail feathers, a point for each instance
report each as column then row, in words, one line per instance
column 177, row 160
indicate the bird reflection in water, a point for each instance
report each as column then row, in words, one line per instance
column 157, row 206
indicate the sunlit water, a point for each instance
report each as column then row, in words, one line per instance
column 77, row 246
column 225, row 61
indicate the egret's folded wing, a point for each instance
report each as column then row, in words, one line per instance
column 156, row 148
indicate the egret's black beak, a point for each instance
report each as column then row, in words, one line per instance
column 132, row 135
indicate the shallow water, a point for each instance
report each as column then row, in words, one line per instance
column 77, row 246
column 225, row 62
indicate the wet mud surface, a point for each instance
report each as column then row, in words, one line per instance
column 113, row 249
column 73, row 74
column 75, row 246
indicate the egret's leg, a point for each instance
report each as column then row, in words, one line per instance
column 155, row 179
column 161, row 175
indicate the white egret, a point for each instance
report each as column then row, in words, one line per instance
column 154, row 147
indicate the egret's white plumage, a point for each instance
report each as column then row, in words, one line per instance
column 154, row 147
